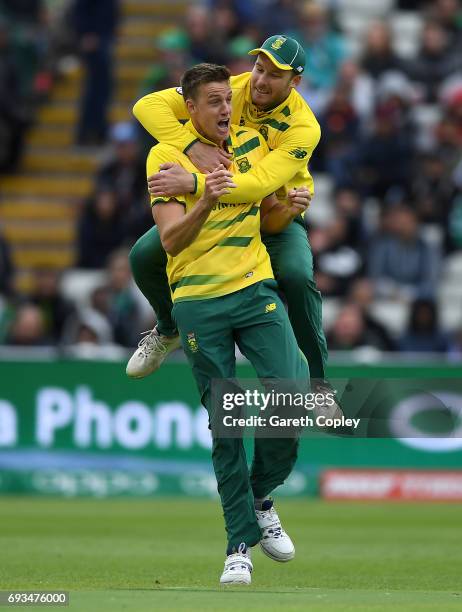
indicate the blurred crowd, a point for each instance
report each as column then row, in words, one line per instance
column 22, row 49
column 34, row 36
column 391, row 148
column 111, row 313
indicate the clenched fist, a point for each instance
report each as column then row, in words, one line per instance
column 298, row 200
column 217, row 184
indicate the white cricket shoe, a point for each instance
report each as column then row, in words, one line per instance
column 330, row 409
column 151, row 352
column 238, row 567
column 275, row 542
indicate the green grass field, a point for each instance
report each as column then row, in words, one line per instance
column 168, row 555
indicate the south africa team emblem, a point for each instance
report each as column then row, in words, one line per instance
column 192, row 342
column 278, row 43
column 243, row 164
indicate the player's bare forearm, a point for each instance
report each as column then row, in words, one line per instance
column 276, row 221
column 275, row 216
column 178, row 229
column 276, row 169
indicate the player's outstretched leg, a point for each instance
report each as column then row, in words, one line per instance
column 265, row 337
column 148, row 260
column 273, row 461
column 211, row 356
column 292, row 263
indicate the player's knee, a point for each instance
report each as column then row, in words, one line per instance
column 138, row 257
column 296, row 277
column 135, row 253
column 145, row 254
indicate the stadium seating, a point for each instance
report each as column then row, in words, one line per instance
column 42, row 199
column 321, row 209
column 406, row 28
column 77, row 285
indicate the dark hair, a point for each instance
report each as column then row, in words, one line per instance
column 198, row 75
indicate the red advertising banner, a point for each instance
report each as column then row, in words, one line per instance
column 404, row 485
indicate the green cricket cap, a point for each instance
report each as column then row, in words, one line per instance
column 286, row 53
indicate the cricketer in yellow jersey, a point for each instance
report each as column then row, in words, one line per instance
column 265, row 99
column 224, row 292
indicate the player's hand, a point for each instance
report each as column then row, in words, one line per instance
column 298, row 200
column 172, row 180
column 206, row 157
column 217, row 184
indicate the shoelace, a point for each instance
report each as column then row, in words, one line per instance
column 238, row 561
column 237, row 564
column 151, row 341
column 276, row 532
column 275, row 528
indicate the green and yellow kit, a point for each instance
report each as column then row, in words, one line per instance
column 230, row 234
column 290, row 130
column 224, row 293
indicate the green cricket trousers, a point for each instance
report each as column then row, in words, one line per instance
column 209, row 330
column 292, row 263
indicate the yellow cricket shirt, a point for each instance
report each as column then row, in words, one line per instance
column 228, row 254
column 291, row 131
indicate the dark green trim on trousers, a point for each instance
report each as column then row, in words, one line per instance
column 208, row 331
column 292, row 262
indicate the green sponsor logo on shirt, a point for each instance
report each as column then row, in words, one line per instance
column 298, row 153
